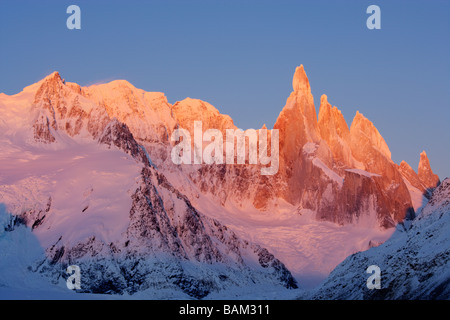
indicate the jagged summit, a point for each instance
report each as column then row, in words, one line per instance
column 53, row 75
column 363, row 131
column 326, row 110
column 334, row 130
column 52, row 83
column 297, row 122
column 300, row 80
column 422, row 185
column 426, row 175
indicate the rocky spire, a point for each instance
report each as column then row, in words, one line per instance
column 334, row 130
column 426, row 175
column 50, row 88
column 297, row 122
column 300, row 81
column 364, row 134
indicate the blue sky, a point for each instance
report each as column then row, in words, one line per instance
column 240, row 56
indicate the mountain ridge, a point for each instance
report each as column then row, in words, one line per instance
column 329, row 173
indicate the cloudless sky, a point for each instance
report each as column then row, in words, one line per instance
column 240, row 56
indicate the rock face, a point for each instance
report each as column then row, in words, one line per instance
column 334, row 130
column 297, row 125
column 340, row 173
column 117, row 134
column 61, row 109
column 426, row 175
column 370, row 148
column 411, row 176
column 425, row 180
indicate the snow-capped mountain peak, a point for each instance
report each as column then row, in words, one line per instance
column 89, row 172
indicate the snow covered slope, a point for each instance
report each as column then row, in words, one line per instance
column 101, row 205
column 414, row 263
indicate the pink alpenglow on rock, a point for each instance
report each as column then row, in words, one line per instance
column 115, row 178
column 426, row 175
column 256, row 151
